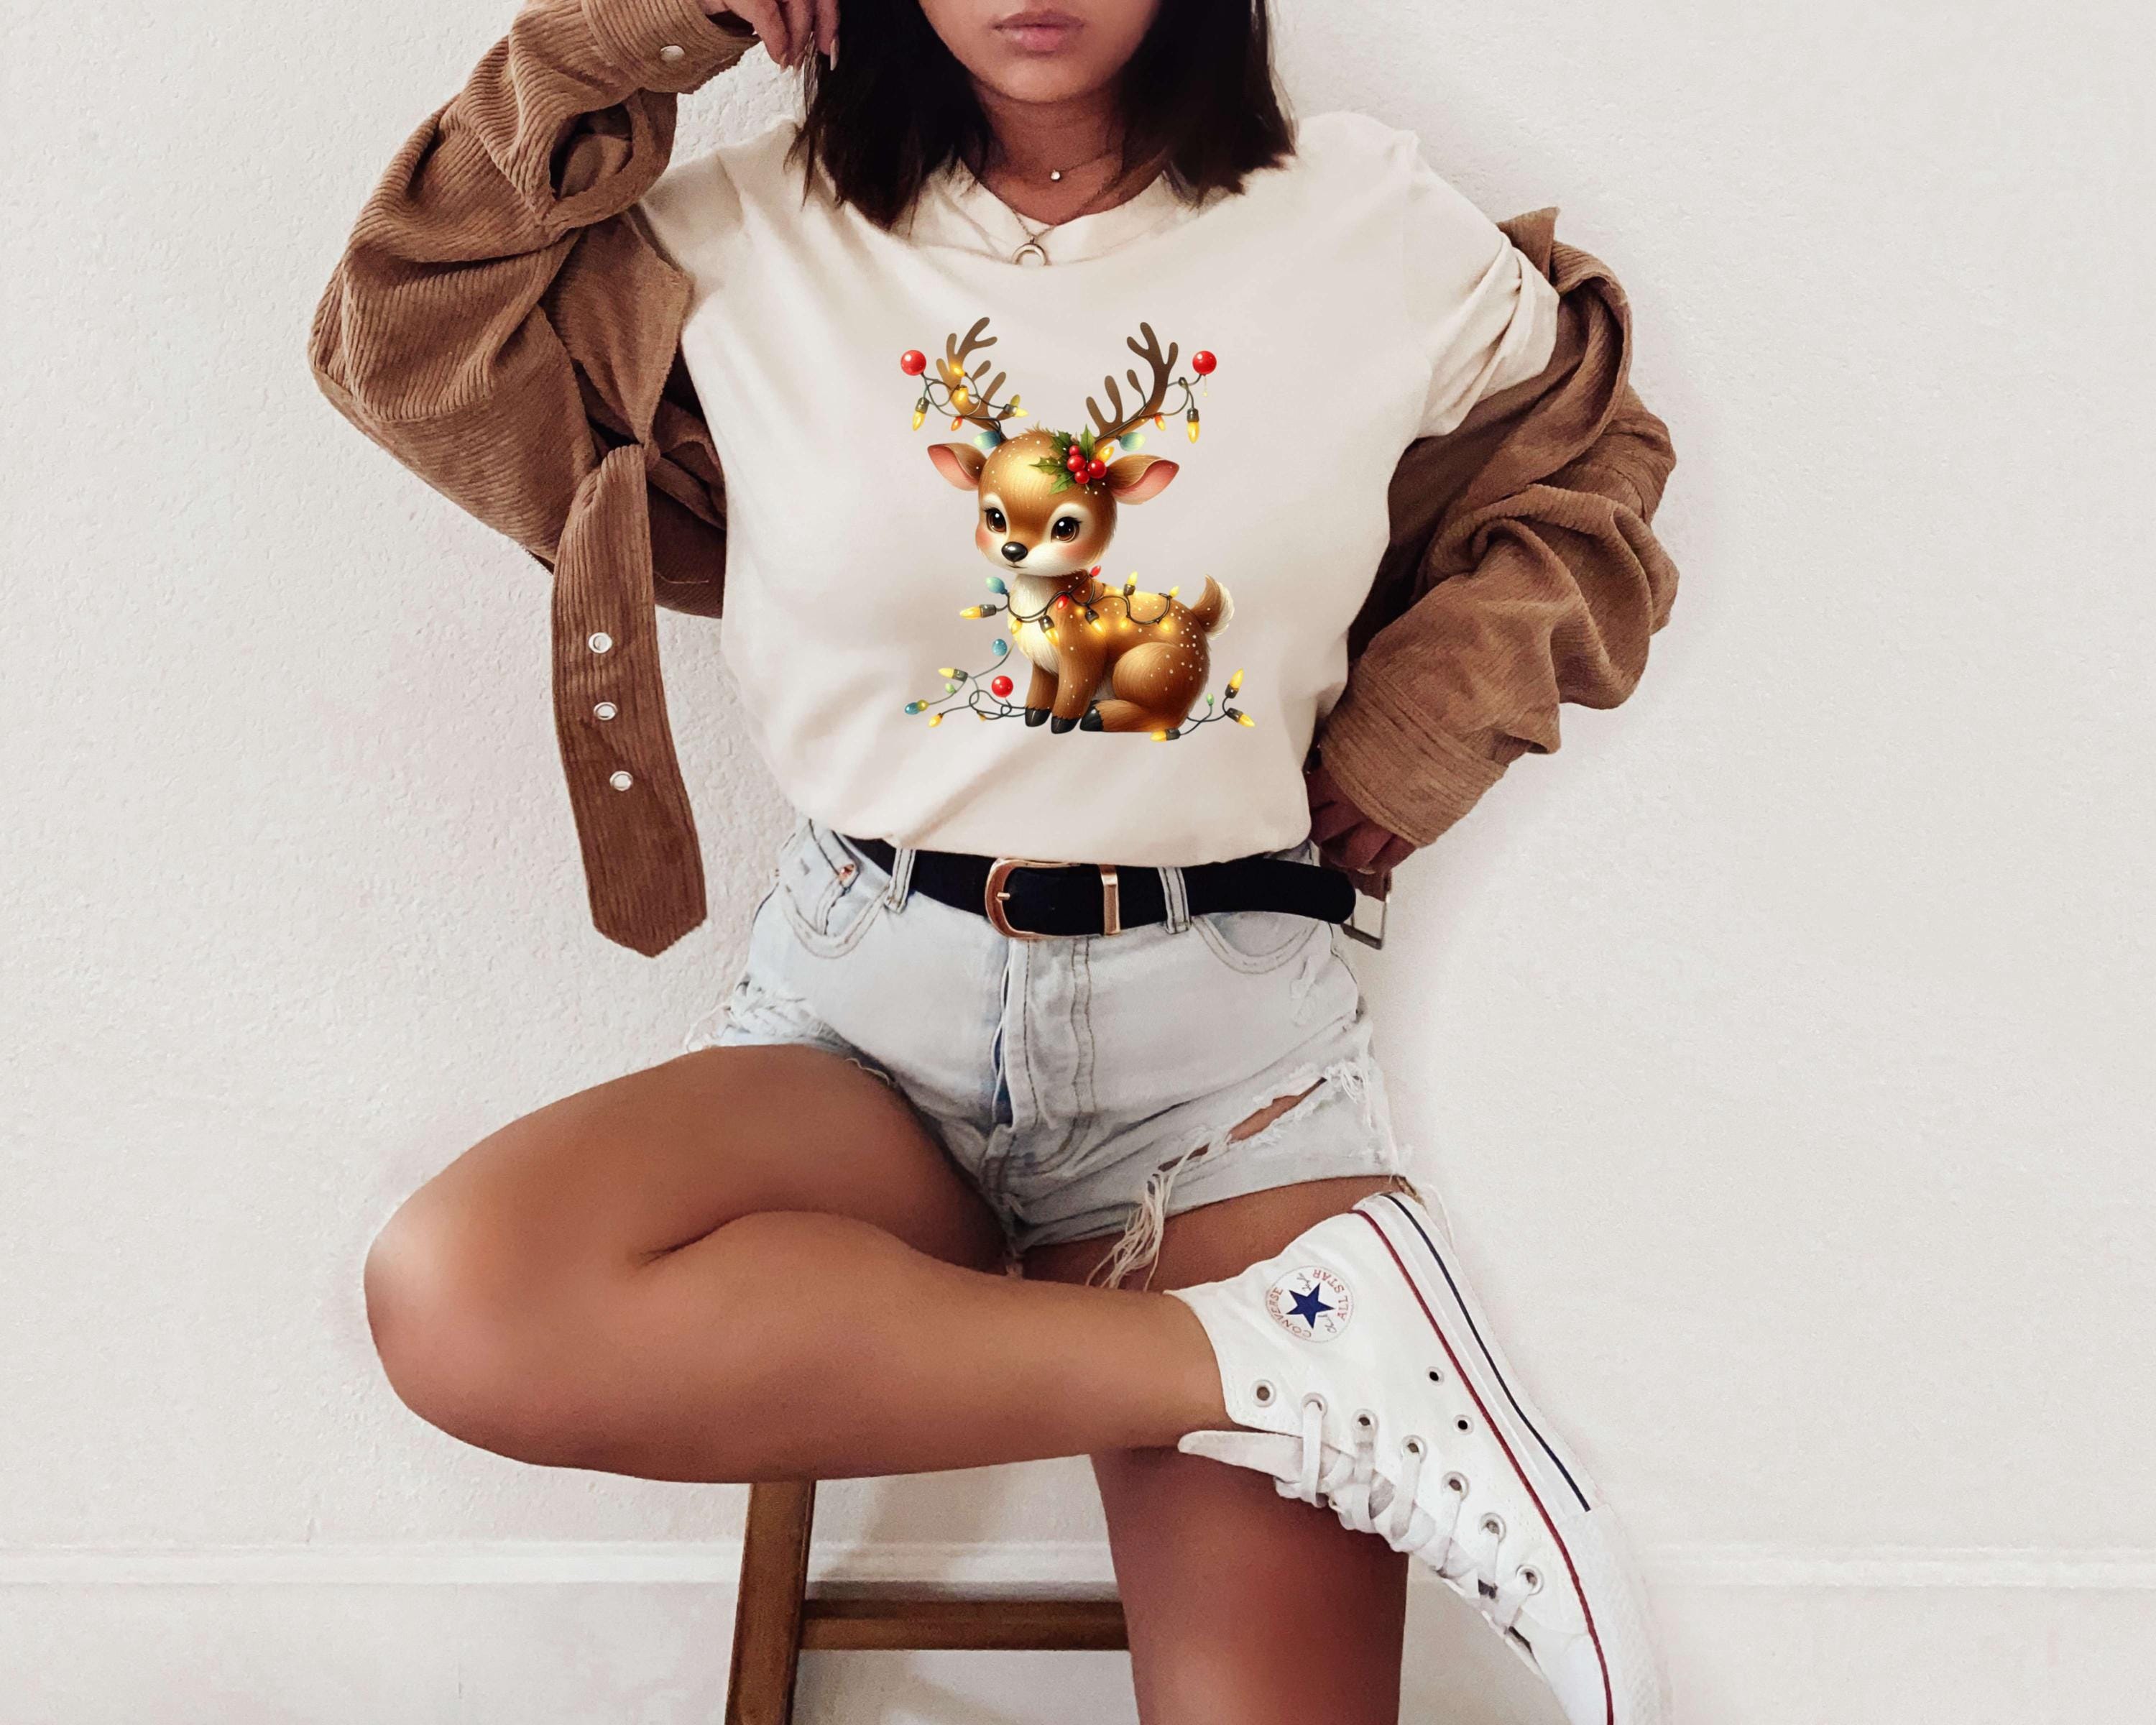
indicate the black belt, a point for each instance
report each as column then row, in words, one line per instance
column 1057, row 898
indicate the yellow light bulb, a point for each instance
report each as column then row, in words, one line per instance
column 935, row 719
column 1193, row 429
column 1243, row 718
column 972, row 611
column 918, row 416
column 1160, row 737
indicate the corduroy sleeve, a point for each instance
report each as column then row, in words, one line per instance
column 499, row 318
column 1524, row 572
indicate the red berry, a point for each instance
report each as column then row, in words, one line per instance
column 999, row 686
column 1096, row 468
column 913, row 362
column 1202, row 363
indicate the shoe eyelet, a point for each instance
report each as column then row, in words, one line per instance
column 1412, row 1445
column 1262, row 1393
column 1311, row 1395
column 1456, row 1482
column 1494, row 1526
column 1533, row 1577
column 1437, row 1376
column 1365, row 1419
column 1464, row 1423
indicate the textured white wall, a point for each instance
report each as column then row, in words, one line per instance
column 1781, row 1044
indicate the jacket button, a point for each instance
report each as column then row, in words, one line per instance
column 600, row 642
column 621, row 781
column 672, row 52
column 606, row 710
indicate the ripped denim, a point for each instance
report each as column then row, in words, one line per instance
column 1085, row 1086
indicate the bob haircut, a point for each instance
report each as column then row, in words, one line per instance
column 1198, row 94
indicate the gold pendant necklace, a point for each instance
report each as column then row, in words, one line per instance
column 1032, row 251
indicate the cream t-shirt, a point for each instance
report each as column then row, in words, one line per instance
column 898, row 594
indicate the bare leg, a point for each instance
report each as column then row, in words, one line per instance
column 754, row 1263
column 1243, row 1604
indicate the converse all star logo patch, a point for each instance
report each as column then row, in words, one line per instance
column 1311, row 1304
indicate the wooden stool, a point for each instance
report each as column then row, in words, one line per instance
column 775, row 1616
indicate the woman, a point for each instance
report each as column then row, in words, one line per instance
column 1144, row 1082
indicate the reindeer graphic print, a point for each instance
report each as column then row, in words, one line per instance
column 1102, row 657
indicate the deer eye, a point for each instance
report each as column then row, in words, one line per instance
column 994, row 518
column 1065, row 528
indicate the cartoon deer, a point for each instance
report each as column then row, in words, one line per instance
column 1104, row 658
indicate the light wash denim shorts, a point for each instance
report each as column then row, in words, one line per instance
column 1084, row 1084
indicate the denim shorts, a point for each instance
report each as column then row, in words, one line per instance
column 1083, row 1085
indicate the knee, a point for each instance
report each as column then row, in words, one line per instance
column 457, row 1322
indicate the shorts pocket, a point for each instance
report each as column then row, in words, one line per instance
column 830, row 899
column 1256, row 941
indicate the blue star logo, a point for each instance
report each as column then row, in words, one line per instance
column 1307, row 1305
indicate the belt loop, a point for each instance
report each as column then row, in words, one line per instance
column 901, row 877
column 1176, row 897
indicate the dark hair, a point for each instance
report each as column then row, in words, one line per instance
column 1198, row 94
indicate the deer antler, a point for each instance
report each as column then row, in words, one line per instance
column 968, row 401
column 1115, row 422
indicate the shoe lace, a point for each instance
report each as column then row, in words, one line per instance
column 1370, row 1500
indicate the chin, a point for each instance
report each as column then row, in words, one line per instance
column 1059, row 77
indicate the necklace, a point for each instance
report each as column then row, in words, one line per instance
column 1032, row 251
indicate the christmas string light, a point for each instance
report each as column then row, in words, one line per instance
column 954, row 390
column 1212, row 714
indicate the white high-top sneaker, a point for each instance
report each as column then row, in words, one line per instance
column 1373, row 1387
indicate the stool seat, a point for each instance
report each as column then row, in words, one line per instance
column 776, row 1615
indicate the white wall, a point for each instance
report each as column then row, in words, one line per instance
column 1781, row 1042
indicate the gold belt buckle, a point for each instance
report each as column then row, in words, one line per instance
column 997, row 893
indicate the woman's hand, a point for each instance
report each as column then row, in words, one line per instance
column 788, row 29
column 1349, row 840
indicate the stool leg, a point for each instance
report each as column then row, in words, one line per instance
column 774, row 1582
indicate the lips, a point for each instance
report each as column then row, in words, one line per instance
column 1040, row 28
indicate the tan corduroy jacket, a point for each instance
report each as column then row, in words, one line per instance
column 502, row 322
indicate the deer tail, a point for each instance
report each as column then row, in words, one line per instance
column 1214, row 608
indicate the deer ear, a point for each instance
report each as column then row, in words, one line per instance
column 1135, row 479
column 959, row 463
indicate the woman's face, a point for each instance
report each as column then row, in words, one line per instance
column 1041, row 50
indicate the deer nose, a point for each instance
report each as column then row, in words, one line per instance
column 1014, row 549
